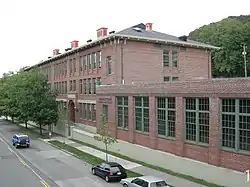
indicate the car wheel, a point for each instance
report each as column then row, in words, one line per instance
column 125, row 185
column 28, row 145
column 16, row 146
column 107, row 178
column 93, row 171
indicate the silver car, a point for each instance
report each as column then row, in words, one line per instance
column 144, row 181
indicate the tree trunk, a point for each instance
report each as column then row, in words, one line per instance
column 26, row 124
column 106, row 151
column 41, row 131
column 12, row 119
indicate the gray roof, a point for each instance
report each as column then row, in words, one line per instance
column 151, row 178
column 159, row 36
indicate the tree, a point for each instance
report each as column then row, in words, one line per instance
column 26, row 95
column 104, row 134
column 62, row 115
column 229, row 34
column 44, row 106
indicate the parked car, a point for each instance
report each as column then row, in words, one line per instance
column 21, row 140
column 144, row 181
column 110, row 171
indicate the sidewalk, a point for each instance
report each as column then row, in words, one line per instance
column 172, row 180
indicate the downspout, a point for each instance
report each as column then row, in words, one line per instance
column 122, row 65
column 209, row 64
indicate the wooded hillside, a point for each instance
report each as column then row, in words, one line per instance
column 230, row 34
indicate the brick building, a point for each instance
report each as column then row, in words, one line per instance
column 183, row 116
column 205, row 120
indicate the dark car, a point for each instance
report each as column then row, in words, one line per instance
column 21, row 140
column 110, row 171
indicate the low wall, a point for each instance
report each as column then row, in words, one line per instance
column 165, row 160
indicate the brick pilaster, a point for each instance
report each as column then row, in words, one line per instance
column 152, row 125
column 131, row 129
column 214, row 131
column 179, row 127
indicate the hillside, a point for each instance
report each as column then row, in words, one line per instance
column 230, row 34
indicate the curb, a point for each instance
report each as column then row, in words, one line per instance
column 71, row 154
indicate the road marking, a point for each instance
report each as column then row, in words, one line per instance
column 44, row 183
column 24, row 163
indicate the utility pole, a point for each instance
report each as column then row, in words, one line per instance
column 244, row 53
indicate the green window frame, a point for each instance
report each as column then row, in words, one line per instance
column 166, row 58
column 89, row 86
column 93, row 60
column 122, row 112
column 235, row 124
column 109, row 65
column 85, row 64
column 166, row 116
column 141, row 114
column 94, row 85
column 85, row 86
column 89, row 62
column 80, row 86
column 197, row 120
column 105, row 113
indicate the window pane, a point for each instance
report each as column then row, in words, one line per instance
column 191, row 126
column 190, row 104
column 204, row 127
column 228, row 105
column 244, row 127
column 228, row 131
column 138, row 119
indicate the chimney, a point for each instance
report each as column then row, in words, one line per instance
column 102, row 32
column 55, row 52
column 74, row 44
column 149, row 26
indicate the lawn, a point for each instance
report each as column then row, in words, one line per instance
column 85, row 156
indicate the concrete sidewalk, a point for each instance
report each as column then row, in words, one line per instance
column 172, row 180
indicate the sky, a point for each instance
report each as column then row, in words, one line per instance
column 31, row 29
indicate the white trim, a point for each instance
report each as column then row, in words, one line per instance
column 87, row 101
column 61, row 100
column 71, row 96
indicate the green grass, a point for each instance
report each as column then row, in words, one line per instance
column 164, row 170
column 85, row 156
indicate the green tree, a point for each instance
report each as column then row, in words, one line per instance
column 229, row 34
column 104, row 134
column 43, row 106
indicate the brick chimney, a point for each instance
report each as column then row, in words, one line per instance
column 74, row 44
column 55, row 52
column 102, row 32
column 149, row 26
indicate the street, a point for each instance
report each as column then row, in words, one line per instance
column 41, row 165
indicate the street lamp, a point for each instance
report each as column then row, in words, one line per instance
column 244, row 53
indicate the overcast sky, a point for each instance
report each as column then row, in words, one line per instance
column 31, row 29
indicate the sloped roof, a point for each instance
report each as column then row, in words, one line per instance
column 158, row 35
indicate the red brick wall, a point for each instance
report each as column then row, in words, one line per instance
column 214, row 89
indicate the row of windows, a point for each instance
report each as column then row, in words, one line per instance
column 235, row 119
column 61, row 87
column 90, row 61
column 87, row 111
column 86, row 86
column 168, row 79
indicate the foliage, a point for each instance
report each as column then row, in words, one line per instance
column 230, row 35
column 104, row 134
column 26, row 96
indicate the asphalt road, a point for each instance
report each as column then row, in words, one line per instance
column 42, row 165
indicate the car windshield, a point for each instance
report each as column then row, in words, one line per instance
column 114, row 169
column 158, row 184
column 23, row 137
